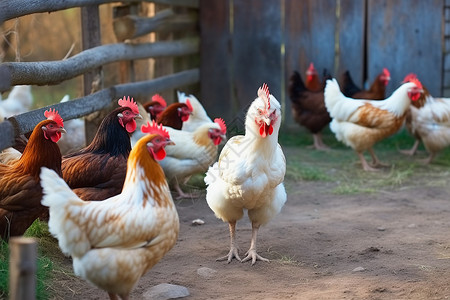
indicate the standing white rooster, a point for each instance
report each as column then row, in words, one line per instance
column 116, row 241
column 249, row 174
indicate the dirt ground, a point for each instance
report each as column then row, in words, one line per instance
column 391, row 243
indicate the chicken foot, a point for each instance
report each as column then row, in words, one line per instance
column 251, row 253
column 375, row 161
column 113, row 296
column 318, row 142
column 180, row 192
column 413, row 150
column 364, row 163
column 234, row 251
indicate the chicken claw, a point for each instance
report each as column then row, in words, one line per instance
column 251, row 254
column 233, row 253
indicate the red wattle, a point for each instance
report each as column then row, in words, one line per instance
column 131, row 126
column 184, row 118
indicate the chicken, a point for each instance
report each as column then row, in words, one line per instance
column 116, row 241
column 175, row 114
column 428, row 120
column 155, row 107
column 193, row 152
column 19, row 101
column 20, row 191
column 198, row 116
column 98, row 171
column 361, row 123
column 313, row 82
column 76, row 137
column 376, row 91
column 308, row 109
column 249, row 174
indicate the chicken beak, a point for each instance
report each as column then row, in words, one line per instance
column 170, row 143
column 62, row 130
column 138, row 117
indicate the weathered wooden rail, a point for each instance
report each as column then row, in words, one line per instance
column 85, row 63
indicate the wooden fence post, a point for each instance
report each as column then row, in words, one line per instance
column 22, row 268
column 93, row 80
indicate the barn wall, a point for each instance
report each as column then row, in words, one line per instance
column 246, row 43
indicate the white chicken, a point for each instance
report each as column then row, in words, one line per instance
column 116, row 241
column 249, row 174
column 193, row 153
column 429, row 122
column 76, row 137
column 198, row 116
column 360, row 123
column 19, row 101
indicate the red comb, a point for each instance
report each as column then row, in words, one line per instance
column 127, row 102
column 159, row 99
column 409, row 77
column 153, row 128
column 416, row 82
column 264, row 93
column 189, row 105
column 221, row 123
column 386, row 72
column 54, row 116
column 311, row 70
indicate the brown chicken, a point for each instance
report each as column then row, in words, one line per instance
column 313, row 82
column 98, row 171
column 155, row 107
column 175, row 114
column 377, row 90
column 20, row 189
column 308, row 109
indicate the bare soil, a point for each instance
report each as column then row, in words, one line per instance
column 388, row 242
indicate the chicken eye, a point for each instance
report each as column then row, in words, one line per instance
column 259, row 112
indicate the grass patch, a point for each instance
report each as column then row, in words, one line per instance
column 45, row 261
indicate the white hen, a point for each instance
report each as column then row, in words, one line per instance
column 249, row 174
column 198, row 116
column 19, row 101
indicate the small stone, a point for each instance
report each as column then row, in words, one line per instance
column 358, row 269
column 381, row 229
column 198, row 222
column 412, row 225
column 165, row 291
column 206, row 272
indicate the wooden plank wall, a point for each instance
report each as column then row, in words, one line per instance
column 245, row 43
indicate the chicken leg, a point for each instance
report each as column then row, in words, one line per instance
column 234, row 252
column 364, row 163
column 318, row 142
column 251, row 253
column 413, row 150
column 375, row 161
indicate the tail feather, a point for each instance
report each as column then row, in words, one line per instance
column 349, row 87
column 63, row 204
column 339, row 106
column 296, row 86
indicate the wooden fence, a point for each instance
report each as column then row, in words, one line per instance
column 89, row 62
column 246, row 43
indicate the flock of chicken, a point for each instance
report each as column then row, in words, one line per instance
column 109, row 204
column 361, row 118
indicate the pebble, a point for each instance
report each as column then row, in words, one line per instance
column 198, row 222
column 358, row 269
column 165, row 291
column 206, row 272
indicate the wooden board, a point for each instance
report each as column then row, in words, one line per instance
column 256, row 48
column 406, row 36
column 215, row 75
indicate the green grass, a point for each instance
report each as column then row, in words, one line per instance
column 45, row 262
column 340, row 165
